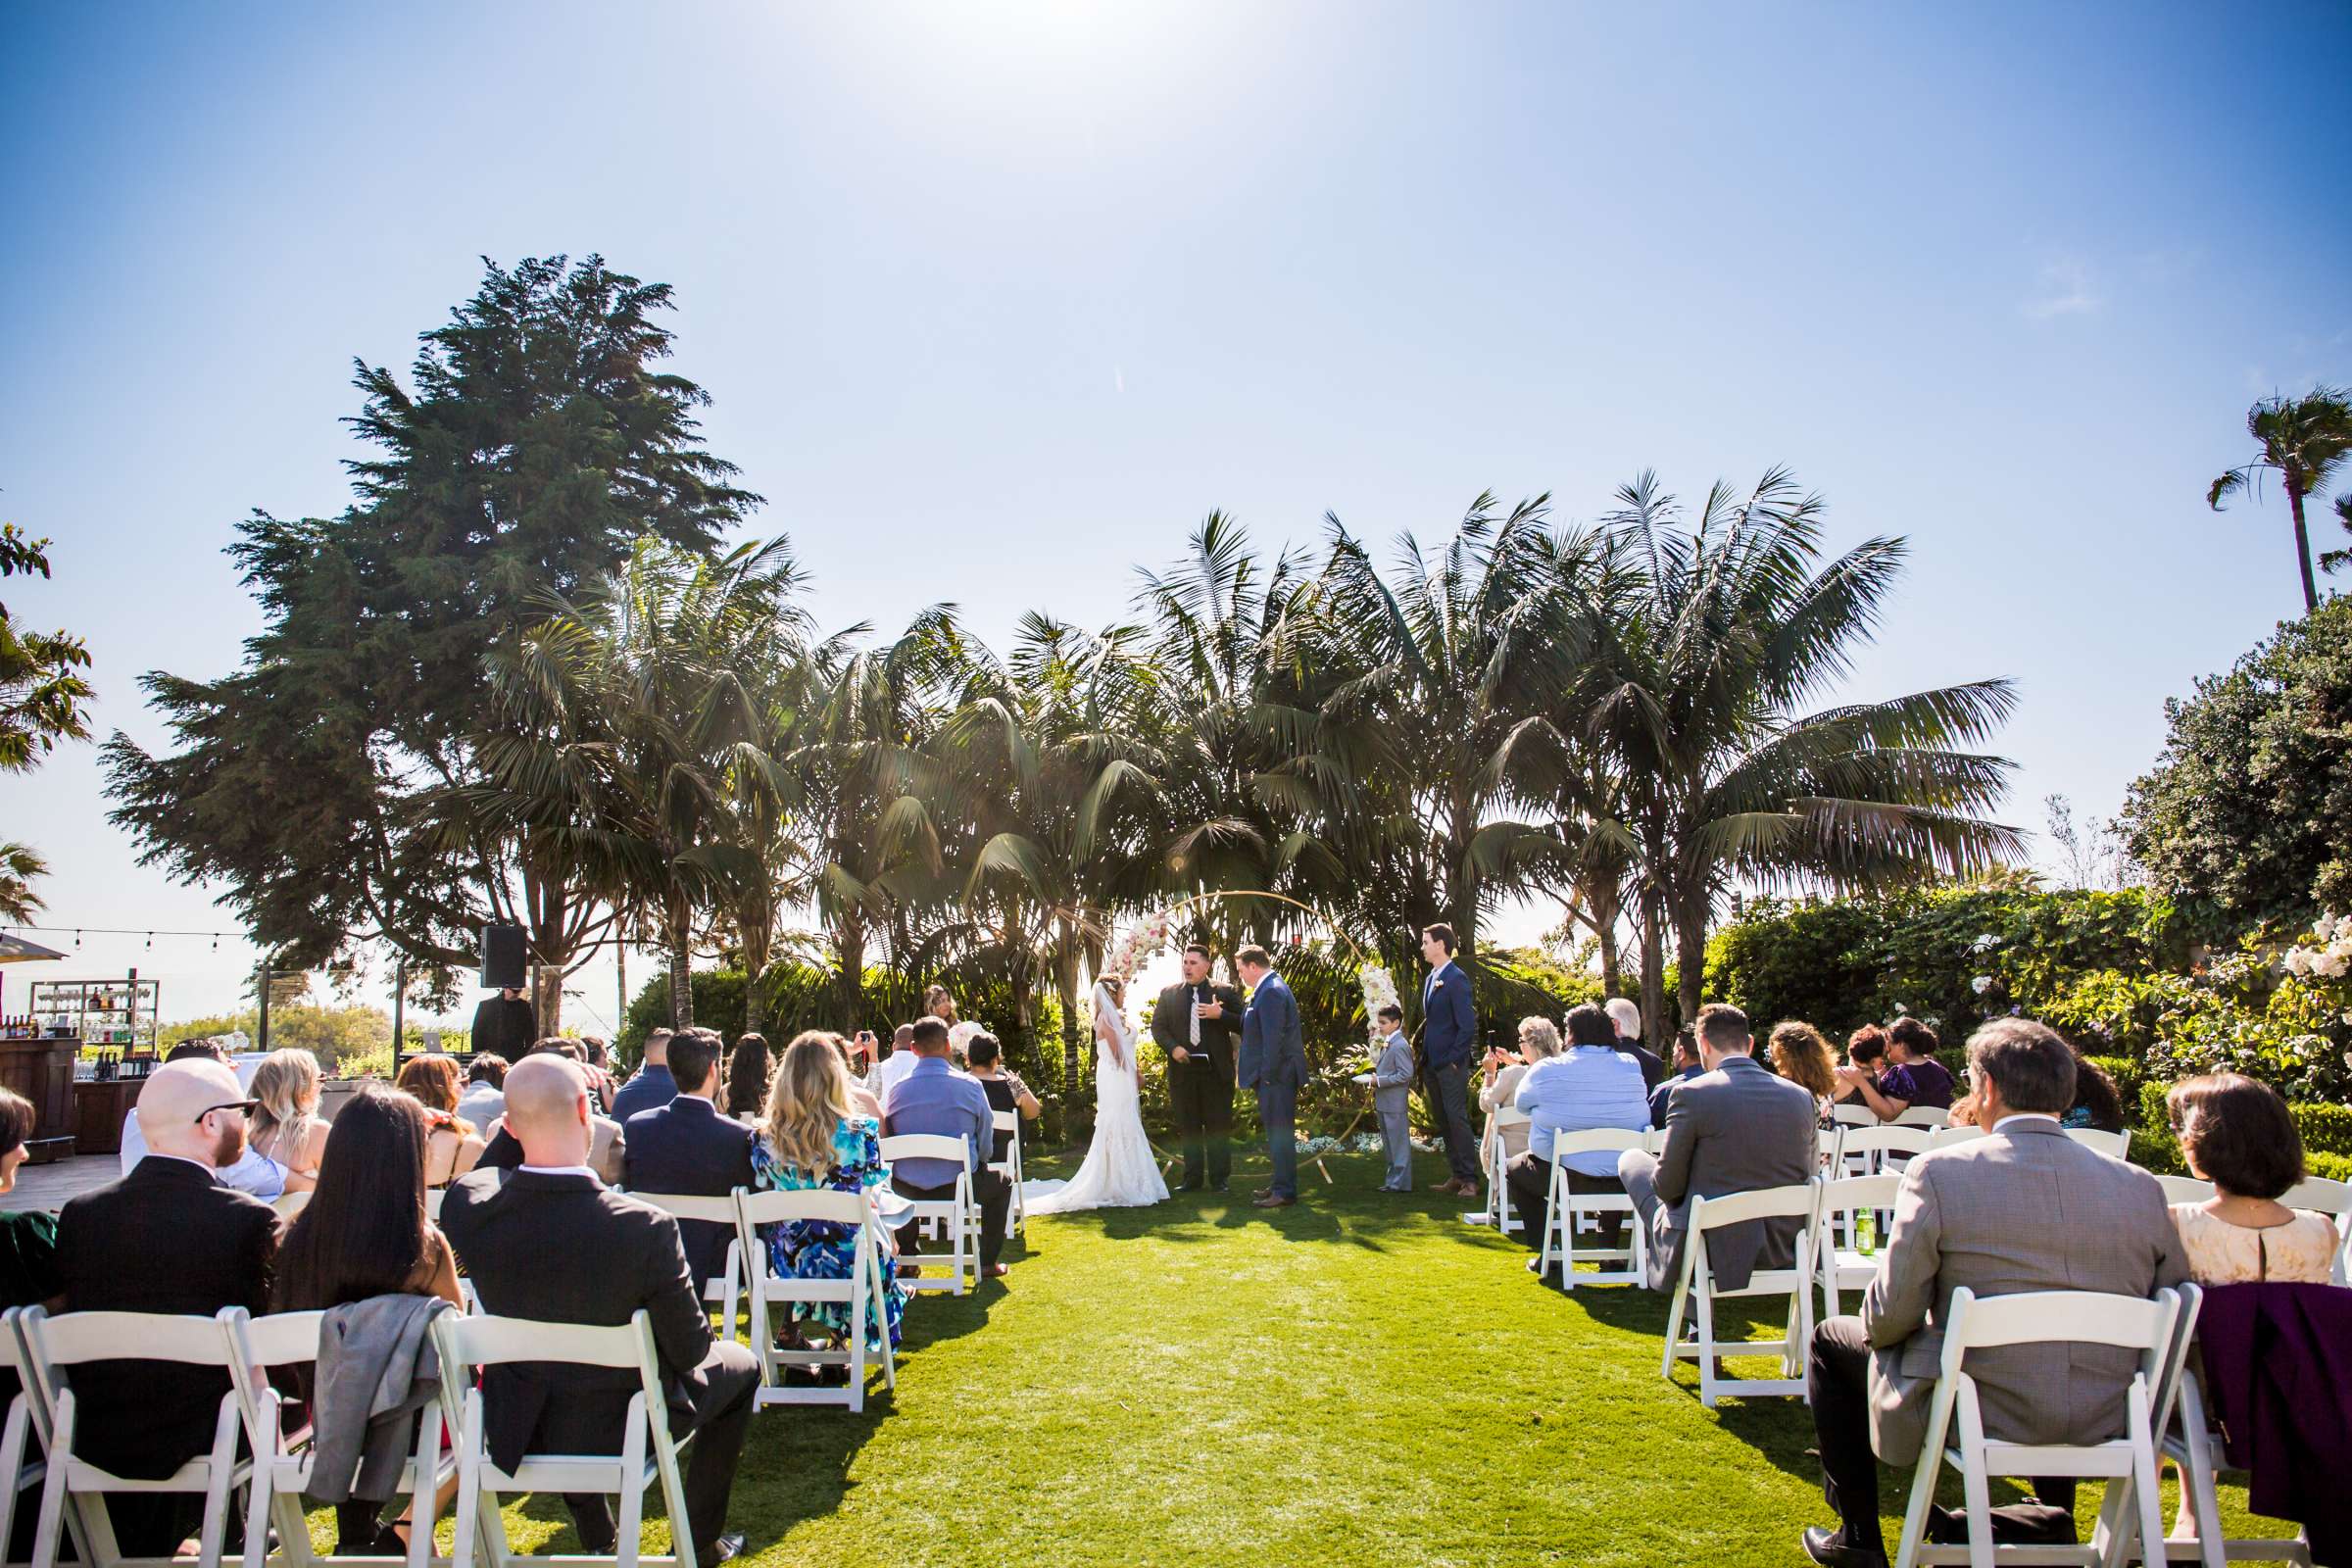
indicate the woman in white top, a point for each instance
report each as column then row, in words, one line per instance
column 285, row 1128
column 1537, row 1039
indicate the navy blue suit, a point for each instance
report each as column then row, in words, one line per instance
column 1448, row 1037
column 687, row 1147
column 1273, row 1063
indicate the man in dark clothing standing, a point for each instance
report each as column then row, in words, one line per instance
column 1196, row 1022
column 505, row 1023
column 1449, row 1032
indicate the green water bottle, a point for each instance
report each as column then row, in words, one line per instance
column 1866, row 1232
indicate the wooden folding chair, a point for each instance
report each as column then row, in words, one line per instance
column 868, row 1341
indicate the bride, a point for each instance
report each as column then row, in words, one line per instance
column 1119, row 1170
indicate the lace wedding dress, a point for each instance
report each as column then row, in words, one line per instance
column 1119, row 1170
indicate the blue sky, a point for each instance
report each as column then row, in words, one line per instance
column 995, row 302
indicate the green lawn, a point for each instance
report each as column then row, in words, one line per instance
column 1362, row 1378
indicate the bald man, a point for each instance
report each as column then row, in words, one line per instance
column 167, row 1238
column 548, row 1239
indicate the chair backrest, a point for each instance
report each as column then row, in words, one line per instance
column 1854, row 1116
column 691, row 1205
column 2059, row 1317
column 1508, row 1116
column 2116, row 1145
column 1827, row 1140
column 289, row 1205
column 1946, row 1137
column 277, row 1339
column 1595, row 1141
column 1888, row 1138
column 1844, row 1193
column 812, row 1203
column 926, row 1145
column 433, row 1199
column 2319, row 1193
column 73, row 1338
column 495, row 1341
column 1922, row 1116
column 1792, row 1202
column 2184, row 1189
column 1008, row 1121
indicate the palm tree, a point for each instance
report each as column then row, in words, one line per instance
column 20, row 865
column 2303, row 440
column 1735, row 627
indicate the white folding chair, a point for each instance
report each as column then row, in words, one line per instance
column 54, row 1346
column 2333, row 1199
column 281, row 1459
column 2188, row 1440
column 1565, row 1208
column 433, row 1199
column 289, row 1205
column 1883, row 1149
column 1922, row 1116
column 20, row 1471
column 724, row 1289
column 647, row 1454
column 2045, row 1317
column 1826, row 1144
column 2184, row 1189
column 1497, row 1212
column 953, row 1220
column 1946, row 1137
column 1695, row 1289
column 868, row 1341
column 2117, row 1146
column 1840, row 1265
column 1017, row 1221
column 1854, row 1116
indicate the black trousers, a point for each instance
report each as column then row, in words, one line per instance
column 1203, row 1100
column 722, row 1418
column 1837, row 1377
column 993, row 1191
column 1449, row 1091
column 1529, row 1180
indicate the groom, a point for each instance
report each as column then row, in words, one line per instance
column 1194, row 1023
column 1274, row 1063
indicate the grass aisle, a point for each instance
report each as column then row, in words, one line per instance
column 1362, row 1378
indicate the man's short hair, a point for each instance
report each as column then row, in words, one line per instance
column 1724, row 1027
column 1442, row 932
column 1391, row 1011
column 2237, row 1133
column 206, row 1048
column 1589, row 1025
column 982, row 1049
column 1685, row 1045
column 902, row 1035
column 486, row 1068
column 559, row 1046
column 1202, row 948
column 693, row 1058
column 1255, row 956
column 657, row 1037
column 2031, row 1068
column 930, row 1034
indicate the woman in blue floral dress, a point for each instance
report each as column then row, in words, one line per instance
column 811, row 1138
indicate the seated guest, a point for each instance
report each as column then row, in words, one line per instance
column 549, row 1241
column 862, row 1098
column 284, row 1127
column 1801, row 1055
column 363, row 1234
column 1735, row 1128
column 886, row 1074
column 686, row 1146
column 2025, row 1207
column 258, row 1174
column 167, row 1238
column 608, row 1146
column 2098, row 1104
column 934, row 1097
column 1500, row 1076
column 1912, row 1076
column 748, row 1067
column 453, row 1146
column 483, row 1101
column 986, row 1052
column 1865, row 1060
column 1687, row 1064
column 1592, row 1085
column 598, row 1059
column 27, row 1237
column 809, row 1138
column 2237, row 1134
column 1626, row 1016
column 653, row 1083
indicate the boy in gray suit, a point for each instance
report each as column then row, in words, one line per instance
column 1391, row 1097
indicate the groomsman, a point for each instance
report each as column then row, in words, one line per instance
column 1273, row 1063
column 1194, row 1023
column 1449, row 1032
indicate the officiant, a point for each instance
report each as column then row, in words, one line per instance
column 1197, row 1022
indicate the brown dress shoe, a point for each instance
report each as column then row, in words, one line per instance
column 1271, row 1202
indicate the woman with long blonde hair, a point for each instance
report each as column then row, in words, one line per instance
column 284, row 1127
column 810, row 1137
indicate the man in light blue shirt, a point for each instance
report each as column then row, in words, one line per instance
column 934, row 1097
column 1586, row 1087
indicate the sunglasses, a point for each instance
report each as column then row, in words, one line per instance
column 245, row 1107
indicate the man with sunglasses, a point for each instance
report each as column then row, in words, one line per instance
column 171, row 1238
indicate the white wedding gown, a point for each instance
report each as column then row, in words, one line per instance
column 1119, row 1170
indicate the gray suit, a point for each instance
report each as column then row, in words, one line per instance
column 2023, row 1209
column 1734, row 1130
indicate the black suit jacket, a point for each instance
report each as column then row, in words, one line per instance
column 1172, row 1025
column 561, row 1249
column 508, row 1028
column 688, row 1146
column 167, row 1238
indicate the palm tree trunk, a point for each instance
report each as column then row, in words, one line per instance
column 849, row 954
column 2294, row 503
column 1606, row 909
column 1065, row 977
column 753, row 928
column 681, row 964
column 1654, row 970
column 1691, row 914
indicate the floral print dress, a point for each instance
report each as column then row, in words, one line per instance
column 818, row 1249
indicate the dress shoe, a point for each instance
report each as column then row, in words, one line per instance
column 996, row 1271
column 725, row 1548
column 1829, row 1548
column 1219, row 1187
column 1262, row 1192
column 1271, row 1202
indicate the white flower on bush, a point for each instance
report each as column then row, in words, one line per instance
column 1985, row 943
column 1981, row 984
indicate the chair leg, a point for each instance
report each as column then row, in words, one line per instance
column 12, row 1461
column 1976, row 1487
column 1705, row 1313
column 628, row 1538
column 2143, row 1480
column 469, row 1483
column 424, row 1504
column 222, row 1466
column 47, row 1524
column 1674, row 1320
column 260, row 1493
column 2197, row 1472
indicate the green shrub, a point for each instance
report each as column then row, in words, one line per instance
column 2334, row 1167
column 2324, row 1129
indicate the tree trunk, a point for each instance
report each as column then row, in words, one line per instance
column 1690, row 915
column 2311, row 589
column 1065, row 977
column 849, row 955
column 547, row 997
column 1606, row 908
column 1653, row 971
column 756, row 944
column 681, row 985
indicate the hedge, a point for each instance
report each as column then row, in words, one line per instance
column 2325, row 1131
